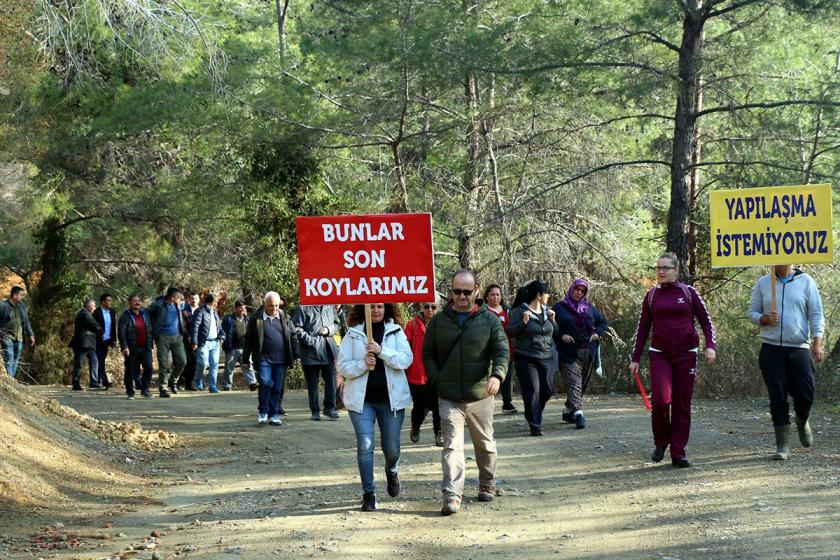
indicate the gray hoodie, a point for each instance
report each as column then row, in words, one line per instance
column 800, row 309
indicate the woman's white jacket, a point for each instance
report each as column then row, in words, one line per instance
column 396, row 355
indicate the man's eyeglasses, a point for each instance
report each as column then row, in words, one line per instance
column 427, row 306
column 664, row 268
column 459, row 292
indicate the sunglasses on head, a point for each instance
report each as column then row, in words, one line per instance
column 460, row 292
column 427, row 306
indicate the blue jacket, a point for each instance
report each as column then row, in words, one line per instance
column 157, row 315
column 6, row 310
column 201, row 326
column 800, row 309
column 229, row 327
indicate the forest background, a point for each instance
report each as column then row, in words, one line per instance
column 147, row 143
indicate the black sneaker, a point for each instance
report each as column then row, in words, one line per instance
column 658, row 454
column 580, row 421
column 253, row 386
column 567, row 417
column 681, row 463
column 393, row 484
column 333, row 415
column 164, row 394
column 316, row 416
column 78, row 388
column 173, row 389
column 147, row 394
column 369, row 501
column 414, row 434
column 508, row 408
column 536, row 432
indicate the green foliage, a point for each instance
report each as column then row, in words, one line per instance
column 175, row 145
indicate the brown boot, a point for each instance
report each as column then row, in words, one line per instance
column 806, row 436
column 782, row 442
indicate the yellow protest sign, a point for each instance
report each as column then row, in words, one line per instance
column 772, row 225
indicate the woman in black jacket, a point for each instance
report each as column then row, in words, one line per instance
column 580, row 328
column 532, row 330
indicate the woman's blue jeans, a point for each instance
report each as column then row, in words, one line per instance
column 390, row 424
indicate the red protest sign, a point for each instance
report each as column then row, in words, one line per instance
column 376, row 258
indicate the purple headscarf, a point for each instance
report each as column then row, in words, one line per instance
column 580, row 308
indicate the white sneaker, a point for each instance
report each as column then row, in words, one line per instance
column 262, row 419
column 275, row 420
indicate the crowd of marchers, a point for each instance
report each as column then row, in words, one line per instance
column 450, row 359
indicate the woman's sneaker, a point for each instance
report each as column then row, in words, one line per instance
column 580, row 421
column 369, row 501
column 393, row 484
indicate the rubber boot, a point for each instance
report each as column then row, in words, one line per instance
column 806, row 436
column 782, row 442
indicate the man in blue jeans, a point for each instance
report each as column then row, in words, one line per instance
column 272, row 347
column 235, row 326
column 14, row 327
column 206, row 337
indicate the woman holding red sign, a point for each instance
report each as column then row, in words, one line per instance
column 669, row 310
column 376, row 390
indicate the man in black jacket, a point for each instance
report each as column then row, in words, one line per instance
column 85, row 333
column 206, row 338
column 187, row 379
column 135, row 336
column 107, row 339
column 315, row 326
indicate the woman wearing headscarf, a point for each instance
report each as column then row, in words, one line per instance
column 423, row 394
column 580, row 328
column 376, row 390
column 669, row 309
column 532, row 329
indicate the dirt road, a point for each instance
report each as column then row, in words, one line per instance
column 241, row 490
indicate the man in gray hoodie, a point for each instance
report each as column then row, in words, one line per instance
column 791, row 341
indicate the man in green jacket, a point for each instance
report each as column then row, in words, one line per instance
column 466, row 355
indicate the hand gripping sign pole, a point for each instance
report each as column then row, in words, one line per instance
column 369, row 328
column 375, row 258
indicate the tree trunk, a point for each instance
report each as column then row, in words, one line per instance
column 679, row 213
column 466, row 243
column 282, row 7
column 505, row 262
column 401, row 202
column 694, row 181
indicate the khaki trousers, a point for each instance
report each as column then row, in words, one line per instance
column 478, row 417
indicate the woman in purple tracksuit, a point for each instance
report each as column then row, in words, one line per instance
column 670, row 308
